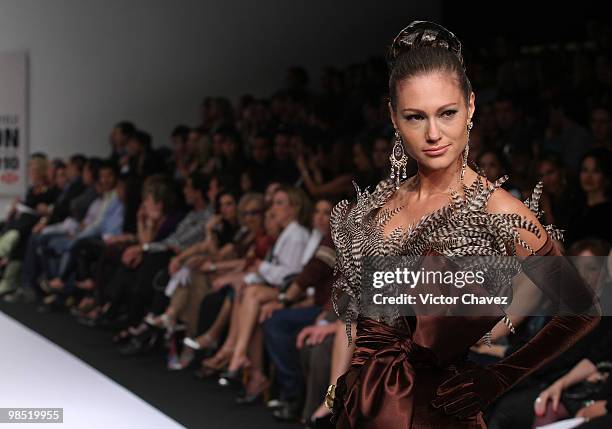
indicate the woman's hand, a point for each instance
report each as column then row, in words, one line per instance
column 132, row 256
column 552, row 393
column 195, row 261
column 468, row 393
column 212, row 223
column 254, row 267
column 314, row 334
column 597, row 377
column 40, row 225
column 221, row 281
column 596, row 409
column 141, row 216
column 156, row 212
column 174, row 265
column 43, row 209
column 301, row 165
column 268, row 309
column 208, row 267
column 494, row 350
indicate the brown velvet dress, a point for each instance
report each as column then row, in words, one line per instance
column 399, row 361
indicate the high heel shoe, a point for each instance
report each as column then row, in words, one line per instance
column 201, row 351
column 320, row 422
column 141, row 344
column 231, row 379
column 250, row 398
column 210, row 370
column 121, row 337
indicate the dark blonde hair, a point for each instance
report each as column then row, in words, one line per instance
column 300, row 201
column 425, row 47
column 162, row 189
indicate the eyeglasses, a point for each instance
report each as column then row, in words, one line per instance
column 251, row 212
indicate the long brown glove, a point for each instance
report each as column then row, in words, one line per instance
column 471, row 391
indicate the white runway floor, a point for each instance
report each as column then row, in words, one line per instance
column 36, row 373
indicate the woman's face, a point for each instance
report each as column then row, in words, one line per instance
column 121, row 191
column 193, row 143
column 34, row 173
column 284, row 212
column 591, row 177
column 380, row 153
column 152, row 208
column 590, row 267
column 362, row 163
column 213, row 189
column 321, row 215
column 61, row 178
column 551, row 176
column 227, row 207
column 600, row 124
column 246, row 184
column 87, row 175
column 179, row 146
column 270, row 191
column 252, row 216
column 217, row 144
column 432, row 118
column 491, row 167
column 229, row 147
column 272, row 227
column 133, row 147
column 189, row 192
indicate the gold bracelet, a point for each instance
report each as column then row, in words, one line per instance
column 330, row 396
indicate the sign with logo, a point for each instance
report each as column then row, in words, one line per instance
column 13, row 124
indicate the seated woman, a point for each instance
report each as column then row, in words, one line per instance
column 226, row 285
column 220, row 232
column 85, row 253
column 157, row 218
column 104, row 217
column 151, row 259
column 338, row 180
column 584, row 380
column 516, row 407
column 297, row 307
column 23, row 214
column 186, row 287
column 72, row 204
column 267, row 279
column 325, row 357
column 254, row 244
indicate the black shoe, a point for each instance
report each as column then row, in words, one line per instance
column 141, row 344
column 86, row 321
column 111, row 321
column 288, row 411
column 250, row 398
column 231, row 379
column 119, row 339
column 320, row 423
column 51, row 306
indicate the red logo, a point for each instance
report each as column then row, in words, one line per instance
column 9, row 178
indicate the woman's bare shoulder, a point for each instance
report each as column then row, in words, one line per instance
column 502, row 202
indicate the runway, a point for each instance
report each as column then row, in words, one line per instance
column 49, row 351
column 37, row 373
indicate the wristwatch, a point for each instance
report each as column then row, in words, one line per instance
column 146, row 247
column 282, row 298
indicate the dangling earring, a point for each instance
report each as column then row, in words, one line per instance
column 398, row 160
column 466, row 151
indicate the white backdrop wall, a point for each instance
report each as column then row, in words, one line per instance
column 94, row 62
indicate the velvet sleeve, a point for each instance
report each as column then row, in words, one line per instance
column 469, row 392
